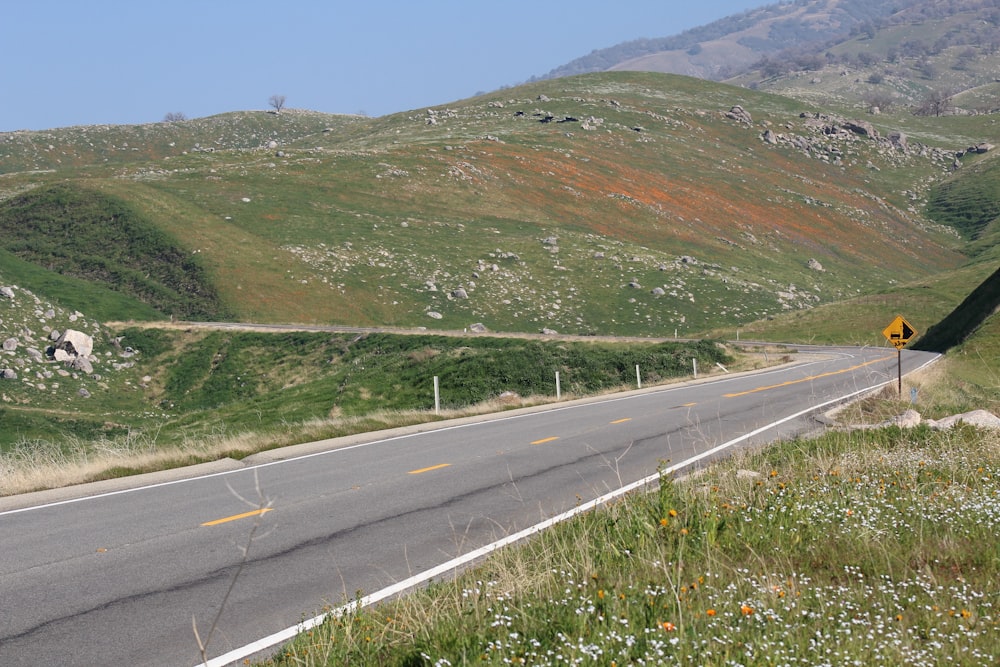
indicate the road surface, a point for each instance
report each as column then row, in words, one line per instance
column 120, row 578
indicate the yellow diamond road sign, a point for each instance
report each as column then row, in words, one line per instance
column 899, row 332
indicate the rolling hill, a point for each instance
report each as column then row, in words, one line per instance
column 620, row 203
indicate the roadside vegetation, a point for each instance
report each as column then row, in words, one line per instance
column 870, row 545
column 197, row 395
column 855, row 547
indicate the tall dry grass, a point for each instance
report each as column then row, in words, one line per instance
column 34, row 465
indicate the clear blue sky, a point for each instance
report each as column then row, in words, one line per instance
column 85, row 62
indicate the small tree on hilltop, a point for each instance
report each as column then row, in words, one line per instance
column 935, row 103
column 277, row 102
column 174, row 117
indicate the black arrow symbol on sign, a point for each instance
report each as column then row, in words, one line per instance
column 907, row 331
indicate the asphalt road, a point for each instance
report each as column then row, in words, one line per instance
column 120, row 578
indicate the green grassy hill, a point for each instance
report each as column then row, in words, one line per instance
column 613, row 204
column 108, row 146
column 610, row 203
column 75, row 232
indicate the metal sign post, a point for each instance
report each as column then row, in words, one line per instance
column 899, row 334
column 899, row 372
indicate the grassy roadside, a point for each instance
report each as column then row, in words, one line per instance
column 194, row 396
column 873, row 547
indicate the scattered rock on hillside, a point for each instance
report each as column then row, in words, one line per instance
column 898, row 139
column 814, row 265
column 834, row 139
column 739, row 114
column 82, row 364
column 862, row 127
column 46, row 355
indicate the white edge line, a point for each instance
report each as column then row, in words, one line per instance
column 453, row 564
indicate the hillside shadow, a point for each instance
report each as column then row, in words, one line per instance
column 965, row 319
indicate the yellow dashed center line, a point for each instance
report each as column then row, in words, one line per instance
column 544, row 440
column 428, row 469
column 236, row 517
column 622, row 421
column 805, row 379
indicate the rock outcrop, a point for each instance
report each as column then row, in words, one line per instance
column 911, row 419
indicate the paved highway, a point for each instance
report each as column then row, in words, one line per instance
column 119, row 578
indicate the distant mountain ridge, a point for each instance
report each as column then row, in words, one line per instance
column 833, row 52
column 728, row 46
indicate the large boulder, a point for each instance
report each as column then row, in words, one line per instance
column 862, row 127
column 740, row 114
column 75, row 343
column 980, row 418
